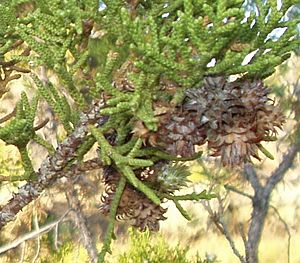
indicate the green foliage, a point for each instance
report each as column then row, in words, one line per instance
column 125, row 163
column 10, row 165
column 57, row 102
column 193, row 196
column 176, row 39
column 63, row 251
column 147, row 247
column 20, row 131
column 193, row 33
column 172, row 177
column 113, row 211
column 154, row 249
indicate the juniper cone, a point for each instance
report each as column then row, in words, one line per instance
column 233, row 118
column 236, row 117
column 134, row 206
column 179, row 132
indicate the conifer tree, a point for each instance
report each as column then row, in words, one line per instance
column 148, row 82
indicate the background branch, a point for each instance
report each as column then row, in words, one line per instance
column 222, row 227
column 261, row 200
column 32, row 234
column 287, row 229
column 38, row 240
column 81, row 223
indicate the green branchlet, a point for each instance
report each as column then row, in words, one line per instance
column 188, row 197
column 27, row 165
column 56, row 101
column 48, row 146
column 128, row 175
column 112, row 219
column 20, row 130
column 85, row 147
column 138, row 103
column 125, row 164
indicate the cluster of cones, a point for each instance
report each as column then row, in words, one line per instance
column 231, row 118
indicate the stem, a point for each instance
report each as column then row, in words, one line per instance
column 29, row 171
column 261, row 201
column 81, row 222
column 112, row 219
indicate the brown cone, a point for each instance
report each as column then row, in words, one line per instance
column 237, row 117
column 179, row 132
column 134, row 205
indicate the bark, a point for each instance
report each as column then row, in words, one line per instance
column 261, row 201
column 52, row 167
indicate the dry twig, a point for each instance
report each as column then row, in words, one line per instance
column 33, row 234
column 81, row 223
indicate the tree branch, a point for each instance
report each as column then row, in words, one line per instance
column 80, row 221
column 251, row 176
column 78, row 168
column 221, row 226
column 230, row 240
column 32, row 234
column 286, row 227
column 241, row 230
column 38, row 240
column 51, row 168
column 279, row 173
column 261, row 200
column 235, row 190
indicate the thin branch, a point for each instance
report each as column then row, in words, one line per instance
column 23, row 249
column 19, row 69
column 78, row 168
column 279, row 173
column 241, row 230
column 43, row 75
column 18, row 42
column 38, row 240
column 32, row 234
column 8, row 116
column 41, row 125
column 235, row 190
column 287, row 229
column 230, row 240
column 261, row 200
column 80, row 221
column 251, row 176
column 243, row 234
column 221, row 226
column 56, row 229
column 16, row 178
column 213, row 216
